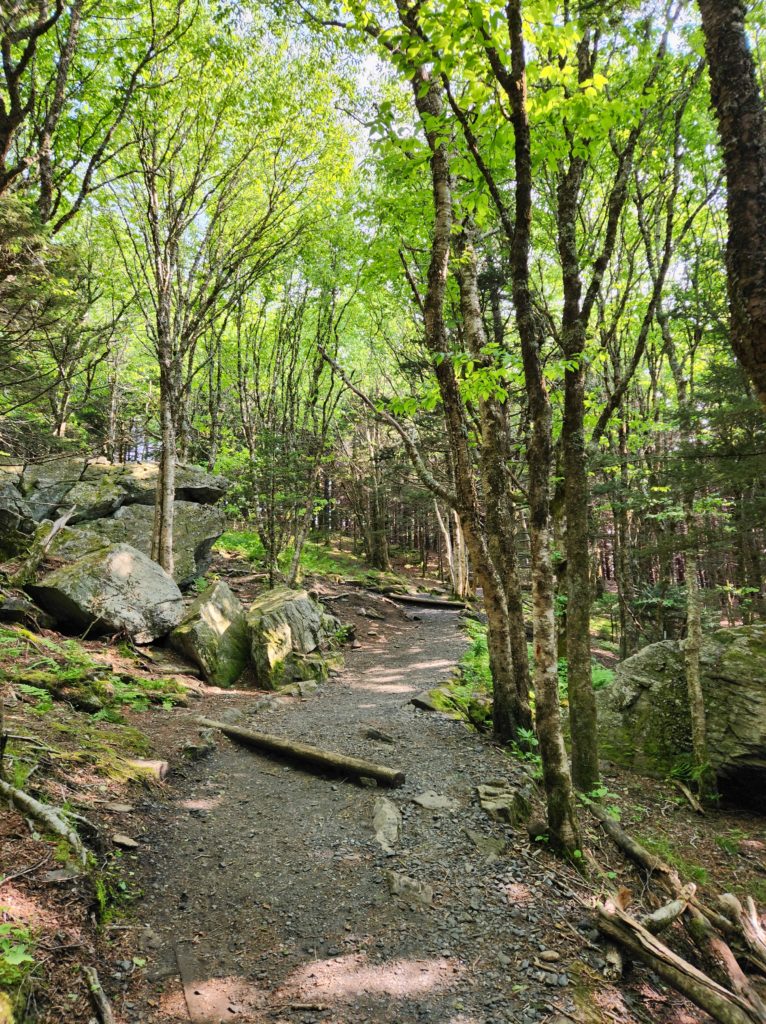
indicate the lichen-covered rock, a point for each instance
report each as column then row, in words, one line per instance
column 644, row 714
column 138, row 481
column 97, row 487
column 115, row 589
column 213, row 634
column 45, row 485
column 68, row 545
column 96, row 498
column 16, row 521
column 196, row 528
column 286, row 628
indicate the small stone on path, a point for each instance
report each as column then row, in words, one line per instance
column 435, row 801
column 124, row 841
column 409, row 889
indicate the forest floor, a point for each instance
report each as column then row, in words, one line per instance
column 257, row 892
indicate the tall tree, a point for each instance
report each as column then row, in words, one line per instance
column 739, row 108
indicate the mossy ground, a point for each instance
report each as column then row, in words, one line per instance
column 69, row 743
column 316, row 559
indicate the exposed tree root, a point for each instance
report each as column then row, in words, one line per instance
column 47, row 816
column 97, row 994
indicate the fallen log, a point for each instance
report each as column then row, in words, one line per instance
column 44, row 815
column 748, row 925
column 306, row 754
column 664, row 917
column 699, row 917
column 426, row 601
column 723, row 1005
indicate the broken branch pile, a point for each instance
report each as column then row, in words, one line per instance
column 723, row 990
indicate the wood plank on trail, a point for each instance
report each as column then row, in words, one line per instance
column 427, row 601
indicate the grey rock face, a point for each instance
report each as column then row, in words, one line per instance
column 213, row 634
column 97, row 488
column 138, row 481
column 45, row 485
column 111, row 514
column 115, row 589
column 16, row 520
column 196, row 528
column 644, row 714
column 70, row 544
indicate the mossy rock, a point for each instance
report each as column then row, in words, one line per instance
column 213, row 634
column 644, row 719
column 114, row 590
column 286, row 630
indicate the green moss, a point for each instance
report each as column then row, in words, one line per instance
column 664, row 849
column 38, row 665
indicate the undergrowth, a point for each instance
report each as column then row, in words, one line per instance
column 471, row 693
column 316, row 559
column 43, row 670
column 664, row 849
column 17, row 961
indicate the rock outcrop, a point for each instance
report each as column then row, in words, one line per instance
column 286, row 627
column 115, row 502
column 644, row 714
column 113, row 589
column 213, row 634
column 97, row 572
column 97, row 488
column 196, row 528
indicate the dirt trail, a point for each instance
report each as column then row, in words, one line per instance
column 265, row 884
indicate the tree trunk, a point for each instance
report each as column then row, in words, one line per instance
column 562, row 814
column 692, row 647
column 742, row 127
column 162, row 537
column 582, row 700
column 494, row 453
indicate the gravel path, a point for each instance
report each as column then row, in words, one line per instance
column 266, row 885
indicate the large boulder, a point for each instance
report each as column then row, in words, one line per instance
column 45, row 485
column 138, row 481
column 69, row 543
column 95, row 498
column 114, row 590
column 286, row 630
column 213, row 634
column 196, row 528
column 644, row 717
